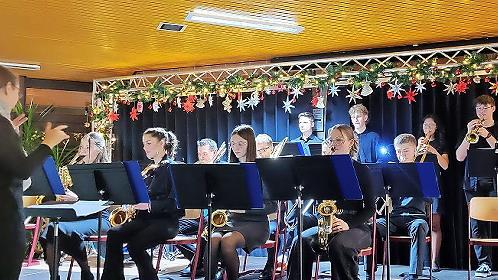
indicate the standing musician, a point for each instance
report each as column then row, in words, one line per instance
column 350, row 231
column 245, row 229
column 92, row 149
column 486, row 130
column 15, row 167
column 206, row 153
column 306, row 124
column 369, row 140
column 433, row 142
column 155, row 221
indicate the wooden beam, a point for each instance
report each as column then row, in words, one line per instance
column 58, row 85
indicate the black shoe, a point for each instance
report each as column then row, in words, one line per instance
column 266, row 274
column 86, row 275
column 436, row 268
column 186, row 272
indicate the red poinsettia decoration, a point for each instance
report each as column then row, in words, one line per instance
column 410, row 96
column 461, row 86
column 390, row 94
column 134, row 114
column 494, row 88
column 188, row 105
column 112, row 116
column 280, row 87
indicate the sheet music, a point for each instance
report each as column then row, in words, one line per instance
column 80, row 208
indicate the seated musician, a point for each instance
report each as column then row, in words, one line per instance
column 92, row 149
column 155, row 221
column 245, row 229
column 408, row 215
column 350, row 231
column 206, row 153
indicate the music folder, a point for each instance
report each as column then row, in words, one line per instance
column 46, row 181
column 292, row 149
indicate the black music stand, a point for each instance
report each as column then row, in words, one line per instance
column 417, row 180
column 45, row 181
column 318, row 177
column 216, row 186
column 482, row 162
column 292, row 149
column 315, row 149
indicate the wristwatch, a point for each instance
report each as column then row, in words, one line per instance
column 489, row 135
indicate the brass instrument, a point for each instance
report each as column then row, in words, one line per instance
column 278, row 148
column 122, row 214
column 219, row 218
column 422, row 148
column 327, row 210
column 65, row 177
column 473, row 135
column 220, row 152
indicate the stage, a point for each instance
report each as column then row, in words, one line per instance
column 41, row 271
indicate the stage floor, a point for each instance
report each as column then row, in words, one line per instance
column 40, row 271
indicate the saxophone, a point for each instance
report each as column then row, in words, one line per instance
column 327, row 210
column 219, row 218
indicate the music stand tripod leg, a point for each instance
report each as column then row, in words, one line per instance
column 210, row 231
column 388, row 233
column 56, row 259
column 99, row 245
column 300, row 230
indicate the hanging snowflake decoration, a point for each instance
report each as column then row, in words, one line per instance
column 379, row 84
column 253, row 100
column 242, row 104
column 210, row 100
column 227, row 104
column 288, row 105
column 353, row 95
column 334, row 90
column 179, row 102
column 397, row 89
column 450, row 88
column 419, row 87
column 296, row 93
column 461, row 86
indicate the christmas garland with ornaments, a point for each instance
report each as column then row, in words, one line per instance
column 247, row 92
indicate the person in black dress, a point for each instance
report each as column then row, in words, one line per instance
column 155, row 221
column 15, row 167
column 245, row 229
column 350, row 232
column 72, row 234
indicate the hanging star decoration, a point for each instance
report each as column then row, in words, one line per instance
column 242, row 104
column 280, row 87
column 366, row 89
column 112, row 116
column 288, row 105
column 155, row 106
column 188, row 105
column 353, row 95
column 134, row 114
column 296, row 93
column 419, row 87
column 461, row 86
column 227, row 104
column 390, row 94
column 379, row 84
column 201, row 103
column 179, row 102
column 450, row 88
column 268, row 91
column 140, row 106
column 494, row 88
column 210, row 100
column 410, row 96
column 334, row 90
column 397, row 89
column 253, row 100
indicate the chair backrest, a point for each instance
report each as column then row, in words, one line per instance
column 484, row 209
column 192, row 214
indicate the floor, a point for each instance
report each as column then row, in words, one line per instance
column 169, row 270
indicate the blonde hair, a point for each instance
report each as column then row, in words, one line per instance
column 404, row 139
column 358, row 108
column 100, row 143
column 349, row 133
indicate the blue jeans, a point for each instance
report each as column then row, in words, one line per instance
column 417, row 228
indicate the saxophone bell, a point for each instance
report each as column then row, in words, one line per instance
column 219, row 218
column 121, row 215
column 327, row 210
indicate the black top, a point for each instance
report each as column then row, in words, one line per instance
column 15, row 166
column 257, row 215
column 472, row 183
column 162, row 198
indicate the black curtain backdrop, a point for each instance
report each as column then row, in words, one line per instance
column 387, row 117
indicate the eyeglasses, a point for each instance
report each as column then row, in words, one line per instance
column 338, row 141
column 262, row 150
column 482, row 108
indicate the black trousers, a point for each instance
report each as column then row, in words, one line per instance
column 13, row 244
column 140, row 234
column 342, row 252
column 480, row 229
column 190, row 227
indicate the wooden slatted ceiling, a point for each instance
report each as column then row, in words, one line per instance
column 86, row 39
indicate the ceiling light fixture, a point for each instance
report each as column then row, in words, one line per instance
column 21, row 66
column 282, row 23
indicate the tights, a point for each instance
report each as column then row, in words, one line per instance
column 224, row 248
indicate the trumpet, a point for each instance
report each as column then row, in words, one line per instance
column 327, row 210
column 279, row 148
column 122, row 214
column 473, row 135
column 219, row 218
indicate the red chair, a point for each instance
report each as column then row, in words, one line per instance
column 184, row 240
column 35, row 228
column 267, row 245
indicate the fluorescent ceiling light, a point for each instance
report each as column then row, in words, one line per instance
column 282, row 23
column 22, row 66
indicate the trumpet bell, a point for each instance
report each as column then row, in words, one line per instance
column 472, row 138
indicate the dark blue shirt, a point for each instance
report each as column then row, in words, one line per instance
column 369, row 146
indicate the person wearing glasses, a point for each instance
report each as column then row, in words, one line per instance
column 487, row 129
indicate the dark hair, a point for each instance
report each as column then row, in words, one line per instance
column 247, row 133
column 307, row 115
column 484, row 99
column 439, row 133
column 170, row 140
column 6, row 77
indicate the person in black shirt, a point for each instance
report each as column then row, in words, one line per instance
column 155, row 221
column 433, row 143
column 306, row 124
column 350, row 232
column 15, row 167
column 369, row 141
column 487, row 130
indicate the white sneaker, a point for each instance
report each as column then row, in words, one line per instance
column 483, row 271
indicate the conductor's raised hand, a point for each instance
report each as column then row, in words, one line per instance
column 54, row 136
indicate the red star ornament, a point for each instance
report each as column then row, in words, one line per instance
column 134, row 114
column 390, row 94
column 461, row 86
column 494, row 88
column 410, row 96
column 112, row 116
column 188, row 106
column 314, row 101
